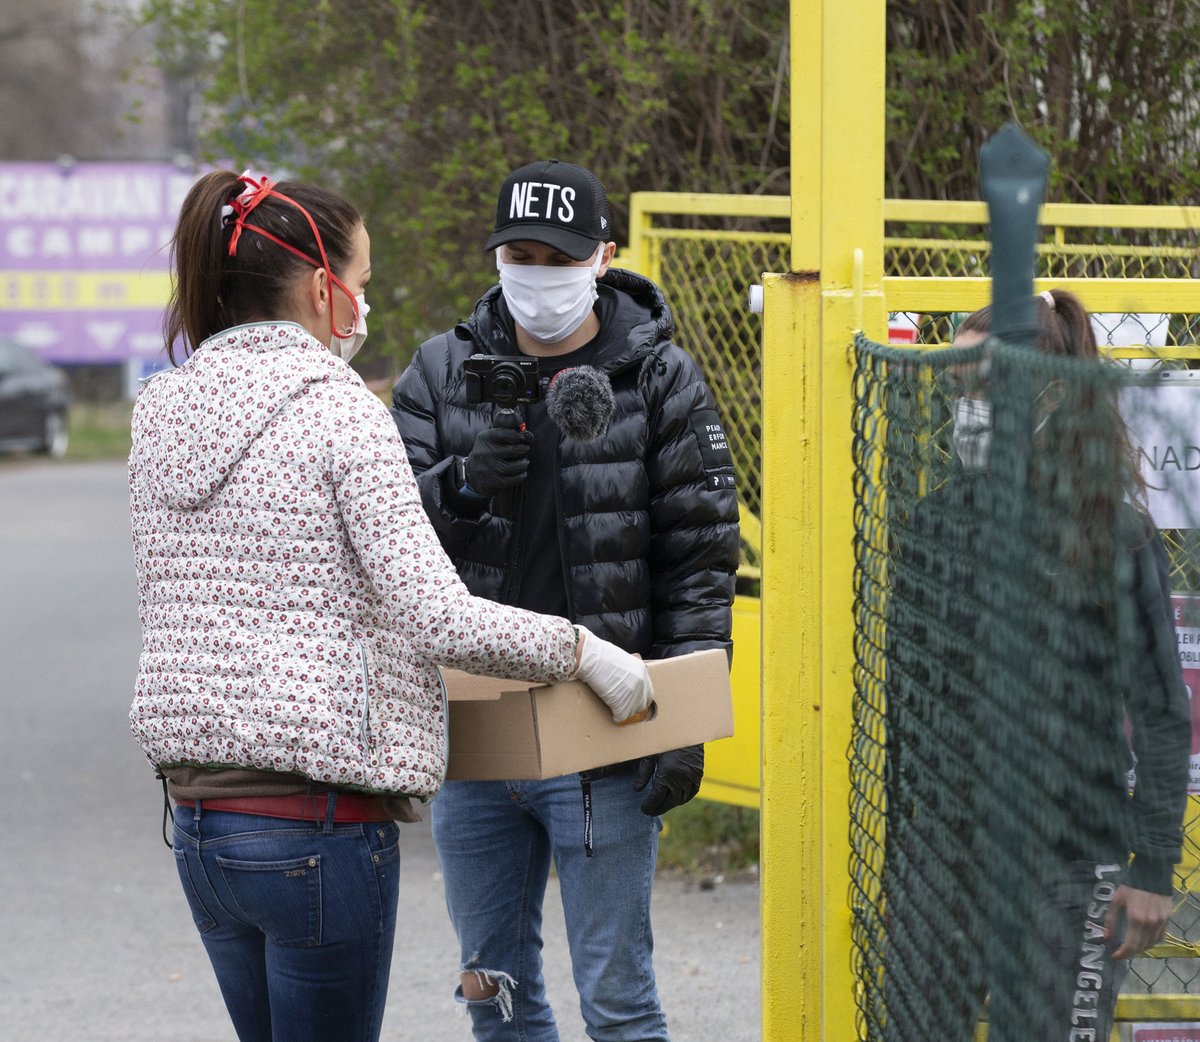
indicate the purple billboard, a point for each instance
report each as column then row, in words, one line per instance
column 84, row 258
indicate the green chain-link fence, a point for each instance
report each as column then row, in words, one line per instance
column 706, row 253
column 1143, row 340
column 986, row 658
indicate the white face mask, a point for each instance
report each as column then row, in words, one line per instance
column 549, row 302
column 346, row 347
column 972, row 432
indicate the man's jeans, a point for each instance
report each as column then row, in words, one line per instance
column 495, row 841
column 298, row 918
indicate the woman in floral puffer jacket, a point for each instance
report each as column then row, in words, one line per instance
column 294, row 604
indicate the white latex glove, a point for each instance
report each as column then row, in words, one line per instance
column 619, row 678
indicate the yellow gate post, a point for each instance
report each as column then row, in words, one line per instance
column 837, row 145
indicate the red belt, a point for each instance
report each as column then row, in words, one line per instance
column 350, row 807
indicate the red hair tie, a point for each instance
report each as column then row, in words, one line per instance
column 257, row 189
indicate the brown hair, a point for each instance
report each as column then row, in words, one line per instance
column 1064, row 330
column 212, row 290
column 1086, row 429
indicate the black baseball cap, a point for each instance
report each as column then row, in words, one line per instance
column 559, row 204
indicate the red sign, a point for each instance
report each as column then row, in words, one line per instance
column 1189, row 1032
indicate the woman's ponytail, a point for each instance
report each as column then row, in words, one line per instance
column 194, row 312
column 1064, row 326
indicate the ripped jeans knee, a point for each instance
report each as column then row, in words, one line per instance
column 479, row 986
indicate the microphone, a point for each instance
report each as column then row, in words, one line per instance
column 580, row 402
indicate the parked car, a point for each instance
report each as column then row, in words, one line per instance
column 34, row 399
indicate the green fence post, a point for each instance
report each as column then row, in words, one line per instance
column 1013, row 173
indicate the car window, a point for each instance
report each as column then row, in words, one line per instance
column 17, row 359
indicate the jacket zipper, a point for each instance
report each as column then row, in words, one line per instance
column 365, row 723
column 445, row 734
column 562, row 536
column 512, row 570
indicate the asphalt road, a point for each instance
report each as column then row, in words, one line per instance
column 96, row 943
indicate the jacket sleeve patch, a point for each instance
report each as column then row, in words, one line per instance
column 714, row 449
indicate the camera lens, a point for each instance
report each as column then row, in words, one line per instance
column 505, row 384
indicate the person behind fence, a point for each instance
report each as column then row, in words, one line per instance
column 1097, row 757
column 294, row 602
column 604, row 492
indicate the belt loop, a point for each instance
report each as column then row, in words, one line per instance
column 330, row 810
column 310, row 799
column 196, row 805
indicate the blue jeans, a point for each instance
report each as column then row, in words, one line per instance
column 298, row 918
column 495, row 841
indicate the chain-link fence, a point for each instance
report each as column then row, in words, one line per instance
column 1173, row 967
column 706, row 261
column 706, row 257
column 708, row 282
column 707, row 254
column 1151, row 340
column 994, row 663
column 935, row 240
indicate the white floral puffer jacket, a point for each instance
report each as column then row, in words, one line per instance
column 293, row 596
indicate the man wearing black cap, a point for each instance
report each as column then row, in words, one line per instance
column 628, row 527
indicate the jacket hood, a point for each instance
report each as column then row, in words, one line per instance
column 635, row 319
column 192, row 424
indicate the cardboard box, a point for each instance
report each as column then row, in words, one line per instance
column 503, row 730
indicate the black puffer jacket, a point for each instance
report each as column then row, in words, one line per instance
column 647, row 513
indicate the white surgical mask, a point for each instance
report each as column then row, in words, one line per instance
column 549, row 302
column 346, row 347
column 972, row 432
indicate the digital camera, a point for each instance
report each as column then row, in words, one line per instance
column 506, row 382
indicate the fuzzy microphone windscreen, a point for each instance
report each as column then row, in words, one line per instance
column 580, row 402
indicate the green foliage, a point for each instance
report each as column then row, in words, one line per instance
column 1107, row 89
column 706, row 839
column 99, row 431
column 417, row 110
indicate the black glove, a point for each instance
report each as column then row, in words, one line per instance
column 676, row 774
column 498, row 459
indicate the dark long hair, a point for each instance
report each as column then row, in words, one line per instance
column 1064, row 330
column 212, row 290
column 1090, row 467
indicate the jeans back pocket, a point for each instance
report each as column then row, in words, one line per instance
column 280, row 898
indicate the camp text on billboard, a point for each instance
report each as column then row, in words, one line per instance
column 84, row 257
